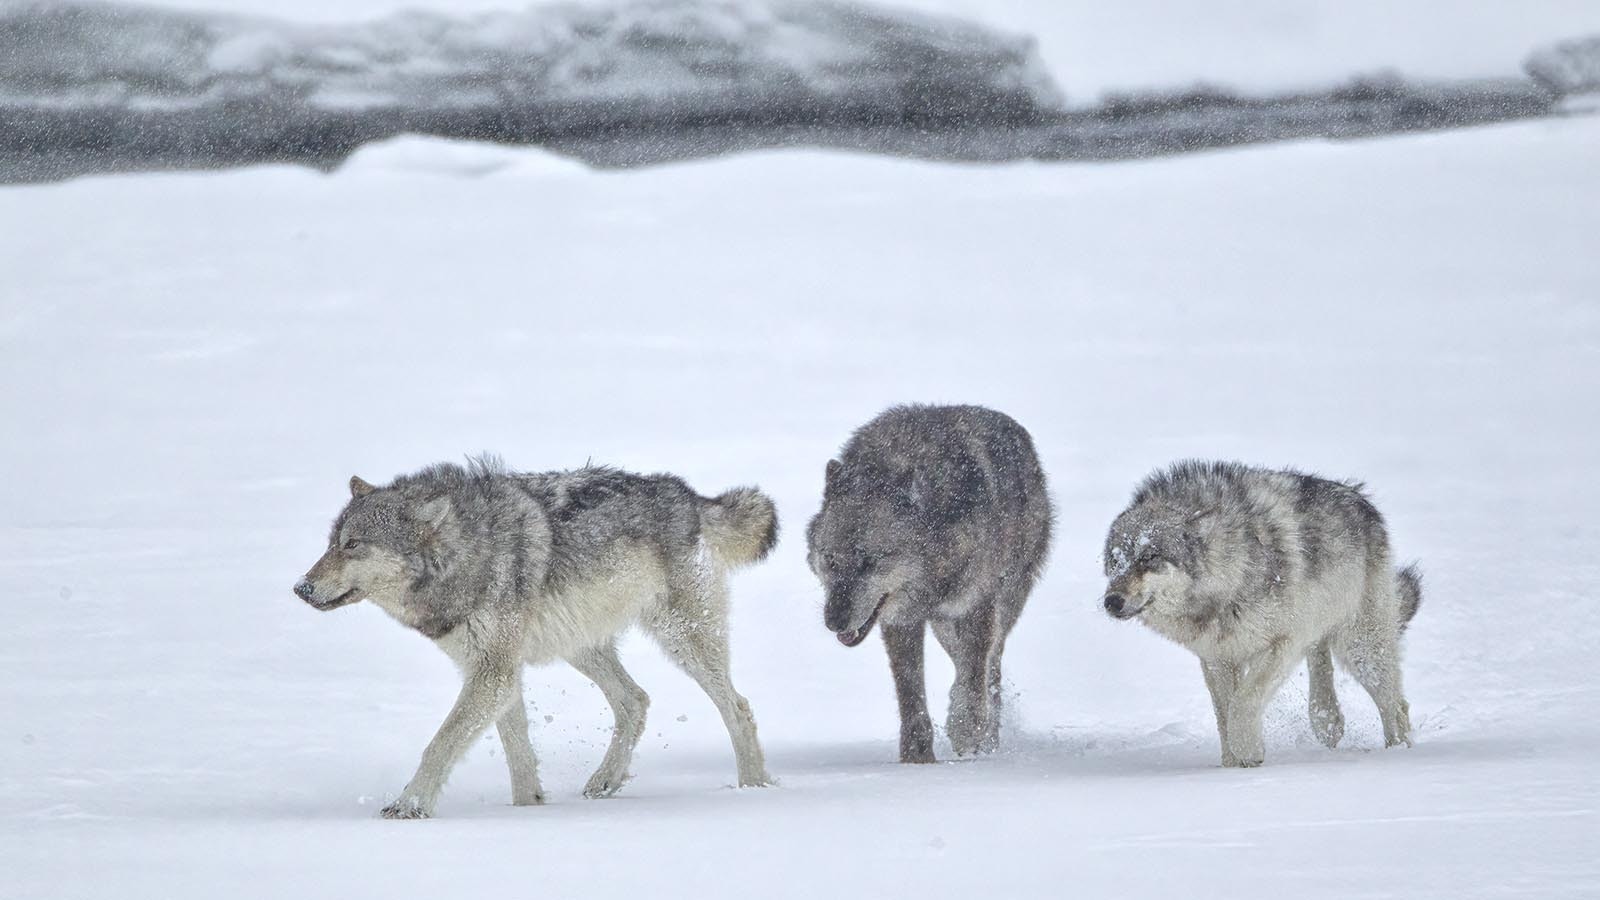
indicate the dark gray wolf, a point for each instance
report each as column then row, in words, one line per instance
column 1255, row 570
column 503, row 569
column 934, row 515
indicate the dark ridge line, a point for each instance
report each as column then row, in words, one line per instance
column 40, row 143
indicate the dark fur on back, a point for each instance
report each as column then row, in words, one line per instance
column 595, row 508
column 1327, row 513
column 481, row 534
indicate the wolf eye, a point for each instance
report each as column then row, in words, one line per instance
column 350, row 544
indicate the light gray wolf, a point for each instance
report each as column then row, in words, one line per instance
column 934, row 515
column 1255, row 570
column 502, row 569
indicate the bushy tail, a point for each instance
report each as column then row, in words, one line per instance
column 1408, row 581
column 740, row 526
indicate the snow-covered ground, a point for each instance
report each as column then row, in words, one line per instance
column 193, row 365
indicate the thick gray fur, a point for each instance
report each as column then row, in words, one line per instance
column 1255, row 570
column 934, row 515
column 502, row 569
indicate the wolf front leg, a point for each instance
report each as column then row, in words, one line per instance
column 904, row 645
column 490, row 685
column 1221, row 676
column 1261, row 677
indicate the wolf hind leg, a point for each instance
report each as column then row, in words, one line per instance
column 1327, row 720
column 1369, row 649
column 972, row 724
column 692, row 627
column 520, row 758
column 629, row 707
column 1006, row 613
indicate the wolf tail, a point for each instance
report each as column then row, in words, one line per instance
column 740, row 526
column 1408, row 581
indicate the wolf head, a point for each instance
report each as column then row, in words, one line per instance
column 1151, row 560
column 379, row 546
column 865, row 546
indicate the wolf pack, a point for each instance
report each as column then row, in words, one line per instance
column 932, row 518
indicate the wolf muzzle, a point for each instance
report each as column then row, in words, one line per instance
column 1119, row 607
column 307, row 591
column 850, row 637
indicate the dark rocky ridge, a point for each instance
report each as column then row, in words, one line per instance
column 88, row 88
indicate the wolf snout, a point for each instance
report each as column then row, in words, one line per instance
column 839, row 612
column 305, row 590
column 836, row 616
column 1117, row 605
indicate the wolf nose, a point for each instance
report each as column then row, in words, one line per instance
column 303, row 589
column 836, row 616
column 1114, row 603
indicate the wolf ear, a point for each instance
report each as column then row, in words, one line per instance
column 433, row 513
column 835, row 469
column 359, row 487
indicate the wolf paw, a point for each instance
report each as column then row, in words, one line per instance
column 534, row 799
column 989, row 739
column 1402, row 739
column 1247, row 752
column 917, row 755
column 405, row 808
column 1398, row 731
column 760, row 779
column 604, row 784
column 964, row 741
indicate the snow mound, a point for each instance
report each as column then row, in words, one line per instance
column 1570, row 67
column 411, row 154
column 566, row 67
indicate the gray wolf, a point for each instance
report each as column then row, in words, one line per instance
column 501, row 569
column 934, row 515
column 1254, row 570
